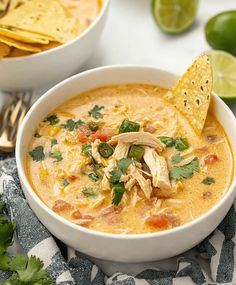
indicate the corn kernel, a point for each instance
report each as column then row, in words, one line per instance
column 43, row 172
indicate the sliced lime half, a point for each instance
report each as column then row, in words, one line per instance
column 224, row 74
column 174, row 16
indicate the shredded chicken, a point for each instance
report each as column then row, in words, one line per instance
column 145, row 184
column 139, row 138
column 121, row 150
column 158, row 167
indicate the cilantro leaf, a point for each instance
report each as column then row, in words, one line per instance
column 25, row 271
column 90, row 192
column 6, row 233
column 87, row 149
column 181, row 144
column 52, row 119
column 168, row 141
column 95, row 112
column 115, row 176
column 185, row 171
column 37, row 153
column 57, row 155
column 119, row 190
column 124, row 163
column 176, row 158
column 2, row 205
column 71, row 125
column 208, row 181
column 53, row 142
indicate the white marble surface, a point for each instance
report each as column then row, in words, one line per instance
column 132, row 37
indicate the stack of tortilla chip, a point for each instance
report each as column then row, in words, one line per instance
column 35, row 26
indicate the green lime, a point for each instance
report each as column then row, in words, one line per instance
column 174, row 16
column 224, row 74
column 220, row 31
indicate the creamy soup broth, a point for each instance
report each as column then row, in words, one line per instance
column 77, row 185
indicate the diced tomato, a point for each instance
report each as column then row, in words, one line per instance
column 83, row 138
column 158, row 221
column 211, row 158
column 103, row 135
column 76, row 215
column 72, row 178
column 206, row 195
column 60, row 206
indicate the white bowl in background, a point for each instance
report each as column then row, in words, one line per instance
column 120, row 247
column 51, row 66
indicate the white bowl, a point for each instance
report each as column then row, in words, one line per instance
column 120, row 247
column 52, row 66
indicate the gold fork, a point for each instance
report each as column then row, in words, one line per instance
column 12, row 117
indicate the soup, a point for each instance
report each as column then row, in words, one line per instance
column 121, row 159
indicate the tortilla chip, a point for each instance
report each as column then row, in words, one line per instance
column 22, row 36
column 19, row 45
column 15, row 52
column 48, row 46
column 192, row 93
column 4, row 50
column 46, row 17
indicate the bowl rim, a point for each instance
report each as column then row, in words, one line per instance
column 67, row 223
column 80, row 36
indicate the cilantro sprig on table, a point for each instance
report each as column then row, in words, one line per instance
column 25, row 271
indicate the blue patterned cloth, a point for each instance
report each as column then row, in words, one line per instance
column 217, row 252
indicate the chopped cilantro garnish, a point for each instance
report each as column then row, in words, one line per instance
column 71, row 125
column 65, row 183
column 115, row 176
column 129, row 126
column 95, row 112
column 168, row 141
column 185, row 171
column 87, row 149
column 57, row 155
column 52, row 119
column 53, row 142
column 37, row 153
column 90, row 192
column 176, row 158
column 37, row 134
column 92, row 175
column 119, row 190
column 208, row 181
column 181, row 144
column 124, row 163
